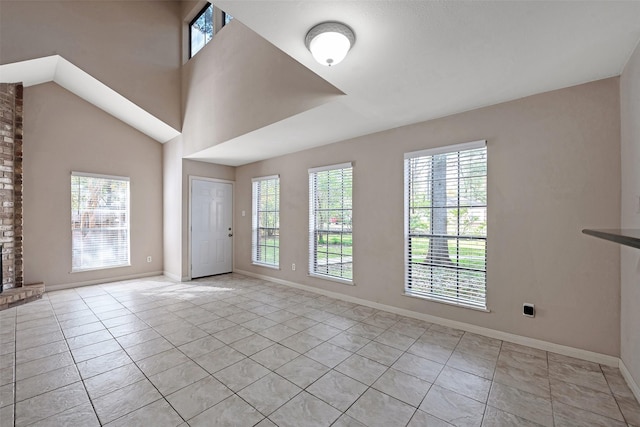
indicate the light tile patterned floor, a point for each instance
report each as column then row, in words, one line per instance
column 237, row 351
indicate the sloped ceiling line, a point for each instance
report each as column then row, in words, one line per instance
column 57, row 69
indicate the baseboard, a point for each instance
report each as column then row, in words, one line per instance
column 172, row 276
column 51, row 288
column 591, row 356
column 633, row 385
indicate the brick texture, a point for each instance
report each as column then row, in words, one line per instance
column 11, row 184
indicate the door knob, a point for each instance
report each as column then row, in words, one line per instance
column 230, row 234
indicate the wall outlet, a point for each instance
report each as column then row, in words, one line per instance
column 528, row 310
column 244, row 213
column 148, row 259
column 293, row 267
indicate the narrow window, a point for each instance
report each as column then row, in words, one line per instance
column 99, row 221
column 265, row 244
column 226, row 18
column 330, row 222
column 201, row 30
column 446, row 224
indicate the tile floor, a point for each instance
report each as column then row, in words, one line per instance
column 237, row 351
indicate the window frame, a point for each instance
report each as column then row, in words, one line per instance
column 255, row 220
column 224, row 18
column 193, row 21
column 127, row 224
column 312, row 264
column 458, row 301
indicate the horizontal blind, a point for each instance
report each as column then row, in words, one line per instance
column 330, row 221
column 265, row 240
column 446, row 224
column 99, row 221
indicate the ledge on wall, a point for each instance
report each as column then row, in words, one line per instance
column 57, row 69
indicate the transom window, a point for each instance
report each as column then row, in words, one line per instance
column 99, row 221
column 330, row 222
column 265, row 243
column 446, row 224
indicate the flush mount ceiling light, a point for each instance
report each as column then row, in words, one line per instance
column 329, row 42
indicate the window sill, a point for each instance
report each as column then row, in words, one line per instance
column 99, row 268
column 469, row 307
column 273, row 267
column 333, row 279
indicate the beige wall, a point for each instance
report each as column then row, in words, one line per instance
column 63, row 133
column 554, row 163
column 630, row 257
column 238, row 83
column 105, row 39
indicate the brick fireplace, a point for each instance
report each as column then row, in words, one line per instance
column 11, row 184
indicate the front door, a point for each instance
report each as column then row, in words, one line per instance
column 211, row 228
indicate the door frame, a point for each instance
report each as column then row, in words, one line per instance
column 190, row 231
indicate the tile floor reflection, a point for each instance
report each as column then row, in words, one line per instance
column 238, row 351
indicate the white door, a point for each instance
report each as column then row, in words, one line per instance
column 211, row 228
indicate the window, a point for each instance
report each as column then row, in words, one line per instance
column 446, row 224
column 330, row 222
column 265, row 243
column 99, row 221
column 201, row 30
column 226, row 18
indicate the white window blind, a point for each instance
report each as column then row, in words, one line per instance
column 99, row 221
column 265, row 243
column 446, row 224
column 330, row 222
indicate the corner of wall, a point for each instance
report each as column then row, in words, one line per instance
column 630, row 218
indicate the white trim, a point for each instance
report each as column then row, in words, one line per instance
column 265, row 178
column 591, row 356
column 98, row 175
column 188, row 277
column 83, row 270
column 331, row 167
column 61, row 286
column 446, row 149
column 633, row 385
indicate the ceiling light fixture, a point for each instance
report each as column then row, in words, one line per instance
column 329, row 42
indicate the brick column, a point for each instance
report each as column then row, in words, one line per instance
column 11, row 183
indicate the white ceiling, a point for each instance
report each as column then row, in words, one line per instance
column 419, row 60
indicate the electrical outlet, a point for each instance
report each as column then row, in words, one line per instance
column 293, row 267
column 148, row 259
column 528, row 310
column 243, row 213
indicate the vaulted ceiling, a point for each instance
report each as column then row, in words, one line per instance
column 419, row 60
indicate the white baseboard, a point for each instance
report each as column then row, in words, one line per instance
column 172, row 276
column 591, row 356
column 59, row 287
column 633, row 385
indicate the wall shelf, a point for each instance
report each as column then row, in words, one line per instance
column 627, row 237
